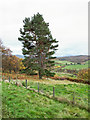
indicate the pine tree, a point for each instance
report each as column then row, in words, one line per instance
column 38, row 45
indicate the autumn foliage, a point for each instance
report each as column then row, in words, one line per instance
column 10, row 63
column 84, row 74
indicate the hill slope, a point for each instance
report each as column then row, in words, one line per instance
column 19, row 102
column 76, row 59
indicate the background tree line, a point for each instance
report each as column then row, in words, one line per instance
column 10, row 63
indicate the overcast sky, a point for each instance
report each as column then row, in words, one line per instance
column 68, row 23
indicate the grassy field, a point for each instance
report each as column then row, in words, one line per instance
column 77, row 67
column 69, row 66
column 18, row 102
column 88, row 62
column 64, row 90
column 62, row 74
column 63, row 62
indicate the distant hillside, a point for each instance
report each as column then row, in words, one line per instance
column 20, row 56
column 76, row 59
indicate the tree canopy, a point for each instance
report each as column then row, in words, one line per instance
column 38, row 45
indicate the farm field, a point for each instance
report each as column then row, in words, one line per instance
column 67, row 65
column 63, row 90
column 63, row 74
column 18, row 100
column 63, row 62
column 77, row 67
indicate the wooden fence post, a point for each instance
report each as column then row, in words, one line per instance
column 3, row 78
column 38, row 87
column 26, row 84
column 53, row 92
column 16, row 82
column 9, row 78
column 73, row 97
column 16, row 77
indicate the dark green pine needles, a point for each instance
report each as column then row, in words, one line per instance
column 38, row 46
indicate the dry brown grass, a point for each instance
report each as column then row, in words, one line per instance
column 35, row 78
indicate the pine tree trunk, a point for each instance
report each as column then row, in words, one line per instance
column 39, row 71
column 10, row 71
column 40, row 75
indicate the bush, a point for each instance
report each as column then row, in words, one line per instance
column 58, row 78
column 83, row 74
column 33, row 73
column 48, row 73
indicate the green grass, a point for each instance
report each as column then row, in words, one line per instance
column 63, row 62
column 77, row 67
column 62, row 74
column 66, row 91
column 88, row 63
column 69, row 66
column 18, row 102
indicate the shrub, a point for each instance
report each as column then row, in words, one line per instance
column 58, row 78
column 83, row 74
